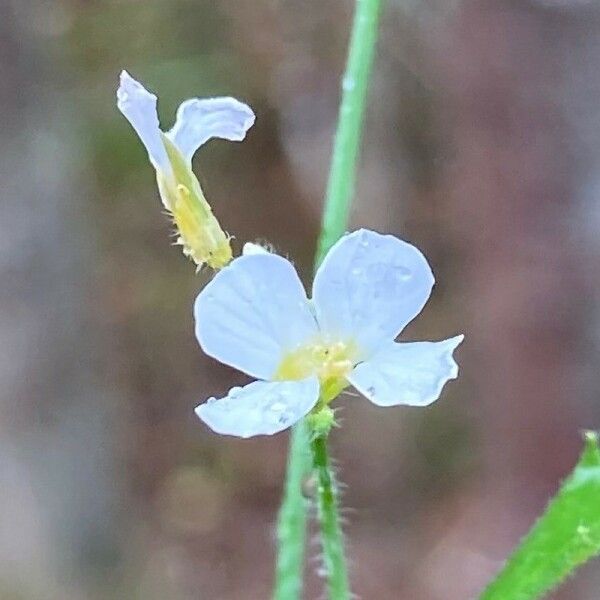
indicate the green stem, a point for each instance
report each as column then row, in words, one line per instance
column 340, row 189
column 342, row 174
column 332, row 539
column 291, row 525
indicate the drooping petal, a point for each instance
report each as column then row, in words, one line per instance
column 253, row 312
column 407, row 373
column 138, row 106
column 369, row 287
column 260, row 408
column 199, row 120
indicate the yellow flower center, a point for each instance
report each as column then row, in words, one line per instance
column 330, row 361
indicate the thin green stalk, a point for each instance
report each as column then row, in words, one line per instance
column 342, row 174
column 340, row 189
column 332, row 538
column 291, row 525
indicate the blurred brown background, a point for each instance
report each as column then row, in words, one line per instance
column 482, row 147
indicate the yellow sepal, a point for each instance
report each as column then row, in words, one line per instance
column 199, row 232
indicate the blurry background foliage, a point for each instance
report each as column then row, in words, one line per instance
column 482, row 147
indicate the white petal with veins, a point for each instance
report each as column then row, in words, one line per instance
column 369, row 287
column 200, row 119
column 252, row 313
column 260, row 408
column 138, row 106
column 411, row 373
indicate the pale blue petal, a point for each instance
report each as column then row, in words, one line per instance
column 407, row 373
column 369, row 287
column 252, row 312
column 138, row 106
column 199, row 120
column 260, row 408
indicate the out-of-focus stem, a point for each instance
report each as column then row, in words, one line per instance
column 291, row 525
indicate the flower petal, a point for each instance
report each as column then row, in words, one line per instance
column 252, row 248
column 252, row 312
column 199, row 120
column 369, row 287
column 260, row 408
column 407, row 373
column 138, row 106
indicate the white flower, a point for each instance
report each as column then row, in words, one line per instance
column 198, row 120
column 255, row 316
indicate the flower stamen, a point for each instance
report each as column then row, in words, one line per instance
column 330, row 361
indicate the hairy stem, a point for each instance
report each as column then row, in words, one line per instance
column 340, row 189
column 332, row 539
